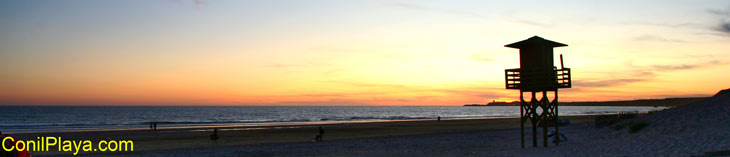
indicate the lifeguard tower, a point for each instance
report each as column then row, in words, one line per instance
column 537, row 74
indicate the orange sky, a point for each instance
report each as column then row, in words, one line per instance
column 350, row 52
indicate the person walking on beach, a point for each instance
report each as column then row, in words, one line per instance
column 214, row 136
column 155, row 123
column 556, row 136
column 319, row 136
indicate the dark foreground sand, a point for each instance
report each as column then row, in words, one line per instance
column 273, row 140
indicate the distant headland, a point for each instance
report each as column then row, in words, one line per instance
column 639, row 102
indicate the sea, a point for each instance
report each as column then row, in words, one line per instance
column 25, row 119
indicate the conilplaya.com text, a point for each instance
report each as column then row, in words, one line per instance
column 72, row 146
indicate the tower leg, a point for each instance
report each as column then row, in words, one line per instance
column 557, row 119
column 522, row 118
column 545, row 105
column 533, row 119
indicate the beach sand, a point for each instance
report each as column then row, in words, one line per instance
column 172, row 140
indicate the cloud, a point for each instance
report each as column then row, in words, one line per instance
column 604, row 83
column 405, row 5
column 198, row 3
column 649, row 70
column 437, row 10
column 719, row 12
column 534, row 23
column 482, row 92
column 298, row 65
column 479, row 57
column 332, row 50
column 478, row 92
column 724, row 25
column 322, row 103
column 641, row 73
column 683, row 66
column 280, row 65
column 335, row 71
column 681, row 95
column 380, row 92
column 381, row 85
column 648, row 37
column 665, row 24
column 513, row 16
column 674, row 67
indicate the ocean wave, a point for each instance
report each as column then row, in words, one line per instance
column 60, row 125
column 375, row 118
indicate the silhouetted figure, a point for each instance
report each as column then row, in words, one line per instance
column 151, row 126
column 555, row 137
column 319, row 136
column 155, row 124
column 214, row 136
column 439, row 119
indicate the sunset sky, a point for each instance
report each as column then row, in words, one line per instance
column 354, row 52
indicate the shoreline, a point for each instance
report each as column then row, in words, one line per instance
column 169, row 125
column 198, row 137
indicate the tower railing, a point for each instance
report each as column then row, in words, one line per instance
column 514, row 79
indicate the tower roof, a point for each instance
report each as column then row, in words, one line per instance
column 535, row 41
